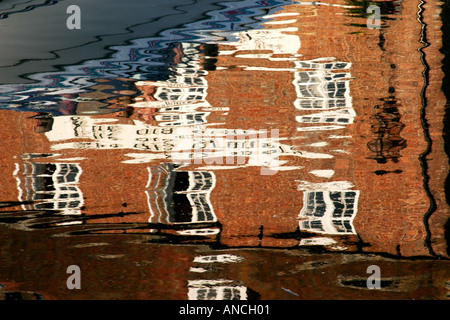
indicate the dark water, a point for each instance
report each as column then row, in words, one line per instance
column 224, row 150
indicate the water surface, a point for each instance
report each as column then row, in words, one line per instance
column 224, row 150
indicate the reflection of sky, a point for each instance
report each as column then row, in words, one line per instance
column 144, row 59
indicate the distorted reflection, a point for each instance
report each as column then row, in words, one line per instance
column 265, row 125
column 50, row 186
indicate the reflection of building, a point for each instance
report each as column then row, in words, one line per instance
column 327, row 189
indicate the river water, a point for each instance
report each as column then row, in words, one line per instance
column 248, row 150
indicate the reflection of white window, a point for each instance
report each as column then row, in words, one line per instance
column 329, row 212
column 104, row 131
column 317, row 65
column 322, row 87
column 339, row 117
column 181, row 119
column 188, row 77
column 180, row 196
column 200, row 232
column 220, row 258
column 320, row 103
column 278, row 41
column 321, row 84
column 216, row 290
column 181, row 93
column 52, row 186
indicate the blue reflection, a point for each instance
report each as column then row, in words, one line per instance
column 57, row 93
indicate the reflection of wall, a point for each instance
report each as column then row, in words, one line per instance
column 264, row 91
column 392, row 200
column 392, row 139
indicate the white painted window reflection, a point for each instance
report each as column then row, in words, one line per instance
column 323, row 85
column 190, row 94
column 339, row 117
column 51, row 186
column 181, row 119
column 180, row 196
column 329, row 212
column 216, row 290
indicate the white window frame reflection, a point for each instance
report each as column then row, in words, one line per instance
column 329, row 212
column 322, row 87
column 215, row 290
column 181, row 119
column 66, row 195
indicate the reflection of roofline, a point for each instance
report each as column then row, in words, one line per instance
column 92, row 45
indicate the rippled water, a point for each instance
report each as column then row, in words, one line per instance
column 224, row 150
